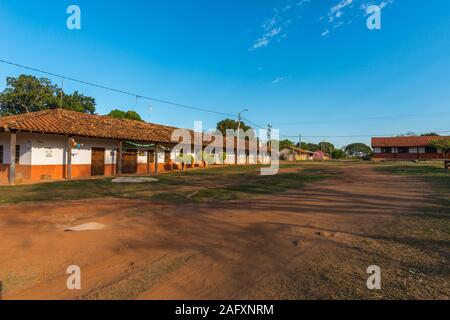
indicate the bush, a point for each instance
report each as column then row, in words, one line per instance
column 223, row 156
column 186, row 159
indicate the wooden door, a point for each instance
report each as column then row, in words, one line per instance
column 98, row 162
column 129, row 162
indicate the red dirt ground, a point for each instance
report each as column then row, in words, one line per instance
column 314, row 243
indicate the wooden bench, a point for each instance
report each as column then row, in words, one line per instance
column 447, row 164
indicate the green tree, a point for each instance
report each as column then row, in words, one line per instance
column 326, row 147
column 26, row 94
column 226, row 124
column 285, row 143
column 358, row 150
column 338, row 154
column 444, row 145
column 129, row 115
column 310, row 146
column 79, row 102
column 431, row 134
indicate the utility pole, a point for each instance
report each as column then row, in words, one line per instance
column 150, row 110
column 269, row 137
column 239, row 134
column 300, row 141
column 62, row 92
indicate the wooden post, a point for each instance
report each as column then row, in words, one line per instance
column 148, row 162
column 119, row 159
column 12, row 158
column 69, row 158
column 156, row 159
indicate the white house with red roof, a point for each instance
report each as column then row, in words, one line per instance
column 407, row 148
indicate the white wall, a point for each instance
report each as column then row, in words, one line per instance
column 42, row 149
column 4, row 141
column 142, row 157
column 23, row 140
column 48, row 149
column 51, row 150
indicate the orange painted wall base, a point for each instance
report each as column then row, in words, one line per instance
column 37, row 173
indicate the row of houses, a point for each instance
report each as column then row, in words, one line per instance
column 62, row 144
column 385, row 148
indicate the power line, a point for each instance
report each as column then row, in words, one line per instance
column 254, row 124
column 372, row 135
column 362, row 135
column 203, row 109
column 118, row 90
column 377, row 118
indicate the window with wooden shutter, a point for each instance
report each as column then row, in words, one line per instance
column 431, row 150
column 1, row 154
column 151, row 156
column 17, row 154
column 167, row 157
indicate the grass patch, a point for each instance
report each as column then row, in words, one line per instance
column 223, row 183
column 248, row 185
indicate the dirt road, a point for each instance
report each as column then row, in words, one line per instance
column 304, row 244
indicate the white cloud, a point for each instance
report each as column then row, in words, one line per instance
column 278, row 80
column 266, row 38
column 345, row 10
column 275, row 27
column 382, row 5
column 337, row 11
column 301, row 2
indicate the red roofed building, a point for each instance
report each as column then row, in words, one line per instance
column 407, row 148
column 62, row 144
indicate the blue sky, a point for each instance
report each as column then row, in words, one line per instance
column 310, row 67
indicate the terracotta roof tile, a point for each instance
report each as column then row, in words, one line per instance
column 66, row 122
column 421, row 141
column 60, row 121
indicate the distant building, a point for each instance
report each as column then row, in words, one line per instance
column 296, row 154
column 292, row 153
column 406, row 148
column 320, row 155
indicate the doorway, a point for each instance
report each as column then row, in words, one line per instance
column 129, row 162
column 98, row 162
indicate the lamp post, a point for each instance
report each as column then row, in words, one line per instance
column 238, row 133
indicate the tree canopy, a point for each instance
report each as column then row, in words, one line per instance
column 130, row 115
column 286, row 143
column 226, row 124
column 444, row 145
column 326, row 146
column 431, row 134
column 27, row 93
column 310, row 146
column 358, row 150
column 338, row 154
